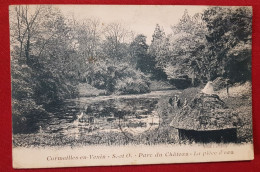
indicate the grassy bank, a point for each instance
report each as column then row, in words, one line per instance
column 240, row 100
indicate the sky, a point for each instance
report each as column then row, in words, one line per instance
column 141, row 19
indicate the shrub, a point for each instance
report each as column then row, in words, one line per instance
column 118, row 78
column 26, row 115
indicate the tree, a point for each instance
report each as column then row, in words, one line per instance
column 158, row 51
column 22, row 30
column 41, row 63
column 188, row 49
column 229, row 41
column 86, row 40
column 87, row 35
column 116, row 38
column 138, row 51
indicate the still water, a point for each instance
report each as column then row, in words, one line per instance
column 119, row 113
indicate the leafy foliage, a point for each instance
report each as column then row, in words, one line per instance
column 52, row 55
column 158, row 52
column 216, row 43
column 41, row 63
column 188, row 49
column 229, row 40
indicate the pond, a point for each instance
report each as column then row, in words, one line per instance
column 83, row 116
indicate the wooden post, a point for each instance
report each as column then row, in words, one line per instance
column 227, row 87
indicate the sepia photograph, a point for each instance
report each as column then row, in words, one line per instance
column 96, row 85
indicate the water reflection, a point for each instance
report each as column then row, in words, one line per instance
column 87, row 116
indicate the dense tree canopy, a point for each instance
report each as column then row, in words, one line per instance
column 215, row 43
column 51, row 55
column 188, row 45
column 229, row 40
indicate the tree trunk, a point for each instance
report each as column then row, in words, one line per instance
column 193, row 78
column 27, row 48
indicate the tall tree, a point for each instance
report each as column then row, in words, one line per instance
column 115, row 45
column 138, row 51
column 188, row 45
column 229, row 40
column 41, row 63
column 23, row 28
column 158, row 51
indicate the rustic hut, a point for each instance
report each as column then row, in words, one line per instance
column 206, row 119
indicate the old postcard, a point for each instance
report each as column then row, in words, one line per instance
column 97, row 85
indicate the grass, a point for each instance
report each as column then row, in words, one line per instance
column 86, row 90
column 160, row 85
column 240, row 100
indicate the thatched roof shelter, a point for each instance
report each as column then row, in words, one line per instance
column 206, row 112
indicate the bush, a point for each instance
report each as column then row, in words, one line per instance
column 181, row 83
column 118, row 78
column 26, row 115
column 34, row 88
column 132, row 86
